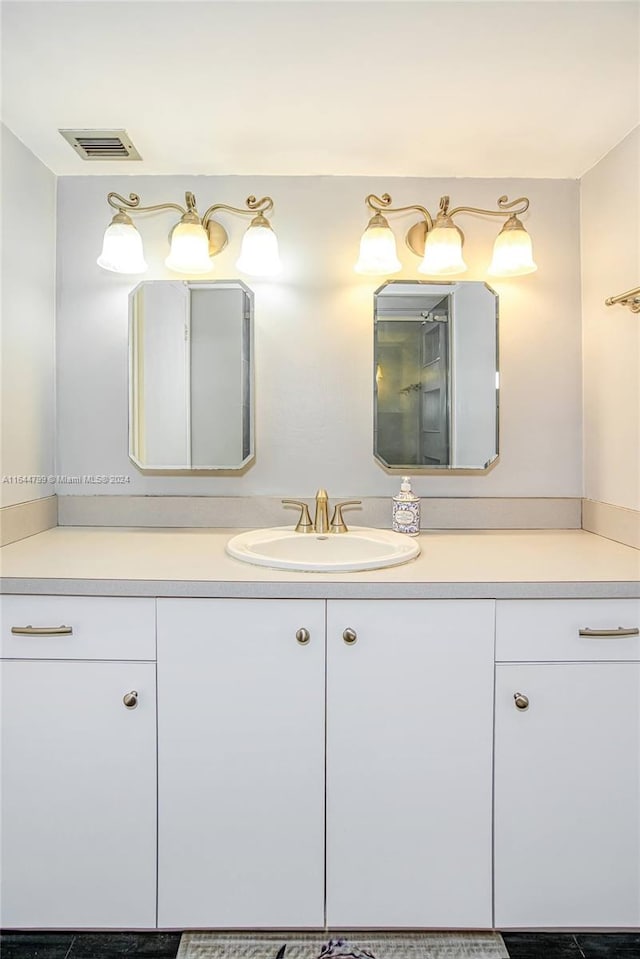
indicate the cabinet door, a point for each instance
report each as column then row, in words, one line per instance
column 78, row 795
column 409, row 763
column 567, row 795
column 241, row 763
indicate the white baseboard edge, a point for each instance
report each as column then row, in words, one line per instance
column 612, row 522
column 26, row 519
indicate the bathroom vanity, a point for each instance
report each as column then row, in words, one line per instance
column 453, row 743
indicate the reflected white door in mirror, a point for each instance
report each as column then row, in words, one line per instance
column 191, row 376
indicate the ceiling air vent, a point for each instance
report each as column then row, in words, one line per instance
column 101, row 144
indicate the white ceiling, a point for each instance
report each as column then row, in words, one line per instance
column 488, row 89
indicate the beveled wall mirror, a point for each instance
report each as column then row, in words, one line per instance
column 436, row 387
column 191, row 376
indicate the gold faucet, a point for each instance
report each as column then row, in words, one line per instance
column 321, row 518
column 320, row 522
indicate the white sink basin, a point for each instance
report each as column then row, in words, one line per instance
column 361, row 548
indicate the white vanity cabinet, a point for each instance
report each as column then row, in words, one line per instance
column 409, row 763
column 241, row 698
column 241, row 763
column 567, row 765
column 320, row 761
column 78, row 765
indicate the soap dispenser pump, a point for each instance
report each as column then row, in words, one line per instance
column 406, row 509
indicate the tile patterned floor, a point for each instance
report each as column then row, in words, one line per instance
column 164, row 945
column 89, row 945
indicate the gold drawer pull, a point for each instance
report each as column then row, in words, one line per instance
column 620, row 631
column 42, row 630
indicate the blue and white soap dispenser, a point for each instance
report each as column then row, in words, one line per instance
column 406, row 509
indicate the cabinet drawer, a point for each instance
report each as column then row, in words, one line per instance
column 550, row 630
column 100, row 628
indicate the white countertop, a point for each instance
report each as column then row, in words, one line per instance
column 112, row 561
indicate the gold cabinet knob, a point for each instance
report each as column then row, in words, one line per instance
column 130, row 699
column 303, row 636
column 350, row 636
column 521, row 701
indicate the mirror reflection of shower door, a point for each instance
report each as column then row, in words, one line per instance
column 434, row 394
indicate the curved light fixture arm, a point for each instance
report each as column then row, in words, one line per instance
column 254, row 206
column 381, row 204
column 123, row 205
column 507, row 207
column 132, row 205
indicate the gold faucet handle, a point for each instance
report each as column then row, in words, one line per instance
column 338, row 524
column 304, row 524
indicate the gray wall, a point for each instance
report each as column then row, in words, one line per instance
column 314, row 339
column 28, row 322
column 611, row 265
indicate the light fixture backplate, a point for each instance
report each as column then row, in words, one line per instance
column 417, row 237
column 218, row 237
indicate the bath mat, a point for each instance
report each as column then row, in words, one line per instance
column 428, row 945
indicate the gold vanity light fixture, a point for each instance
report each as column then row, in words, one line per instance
column 439, row 242
column 194, row 239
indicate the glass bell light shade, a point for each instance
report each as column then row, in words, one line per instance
column 259, row 254
column 443, row 249
column 189, row 251
column 512, row 251
column 378, row 256
column 122, row 247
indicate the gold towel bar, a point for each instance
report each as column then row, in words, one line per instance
column 631, row 299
